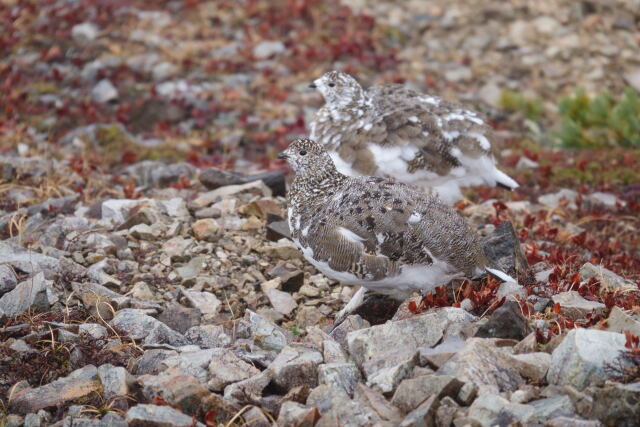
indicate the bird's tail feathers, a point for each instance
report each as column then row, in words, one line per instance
column 505, row 181
column 500, row 275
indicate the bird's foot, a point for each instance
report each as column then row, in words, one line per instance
column 356, row 301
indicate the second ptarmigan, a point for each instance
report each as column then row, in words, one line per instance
column 415, row 138
column 384, row 236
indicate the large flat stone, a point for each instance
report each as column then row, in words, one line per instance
column 80, row 382
column 486, row 366
column 582, row 358
column 386, row 353
column 159, row 416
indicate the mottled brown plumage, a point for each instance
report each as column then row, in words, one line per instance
column 397, row 132
column 374, row 232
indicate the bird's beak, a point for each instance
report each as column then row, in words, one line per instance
column 313, row 86
column 282, row 156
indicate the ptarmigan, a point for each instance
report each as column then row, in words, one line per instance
column 384, row 236
column 397, row 132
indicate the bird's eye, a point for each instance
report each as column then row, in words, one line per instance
column 332, row 84
column 302, row 152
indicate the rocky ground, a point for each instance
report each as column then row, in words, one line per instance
column 143, row 282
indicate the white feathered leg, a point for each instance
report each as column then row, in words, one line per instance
column 356, row 301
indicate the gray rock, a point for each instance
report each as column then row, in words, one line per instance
column 571, row 422
column 266, row 334
column 277, row 230
column 110, row 419
column 552, row 407
column 84, row 33
column 208, row 336
column 151, row 361
column 249, row 390
column 22, row 346
column 194, row 363
column 226, row 368
column 503, row 249
column 8, row 279
column 606, row 200
column 115, row 211
column 104, row 92
column 412, row 392
column 554, row 200
column 486, row 366
column 526, row 163
column 437, row 356
column 337, row 409
column 492, row 409
column 378, row 403
column 267, row 48
column 78, row 383
column 114, row 380
column 34, row 293
column 491, row 93
column 28, row 261
column 615, row 404
column 99, row 299
column 333, row 352
column 533, row 366
column 94, row 330
column 582, row 357
column 14, row 420
column 350, row 324
column 294, row 414
column 144, row 415
column 386, row 353
column 177, row 248
column 511, row 289
column 140, row 326
column 206, row 302
column 296, row 365
column 214, row 178
column 506, row 321
column 620, row 321
column 575, row 306
column 447, row 411
column 179, row 318
column 255, row 187
column 283, row 302
column 344, row 376
column 37, row 420
column 607, row 278
column 97, row 274
column 423, row 415
column 169, row 385
column 633, row 78
column 458, row 74
column 163, row 71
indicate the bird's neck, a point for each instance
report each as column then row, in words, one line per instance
column 313, row 187
column 357, row 107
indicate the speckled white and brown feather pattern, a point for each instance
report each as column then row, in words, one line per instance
column 374, row 232
column 397, row 132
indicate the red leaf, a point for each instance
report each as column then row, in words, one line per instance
column 412, row 307
column 210, row 418
column 159, row 400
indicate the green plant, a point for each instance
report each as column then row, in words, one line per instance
column 531, row 108
column 599, row 122
column 295, row 330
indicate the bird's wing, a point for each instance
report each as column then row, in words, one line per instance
column 392, row 221
column 444, row 133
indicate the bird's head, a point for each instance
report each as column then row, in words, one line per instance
column 306, row 156
column 338, row 88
